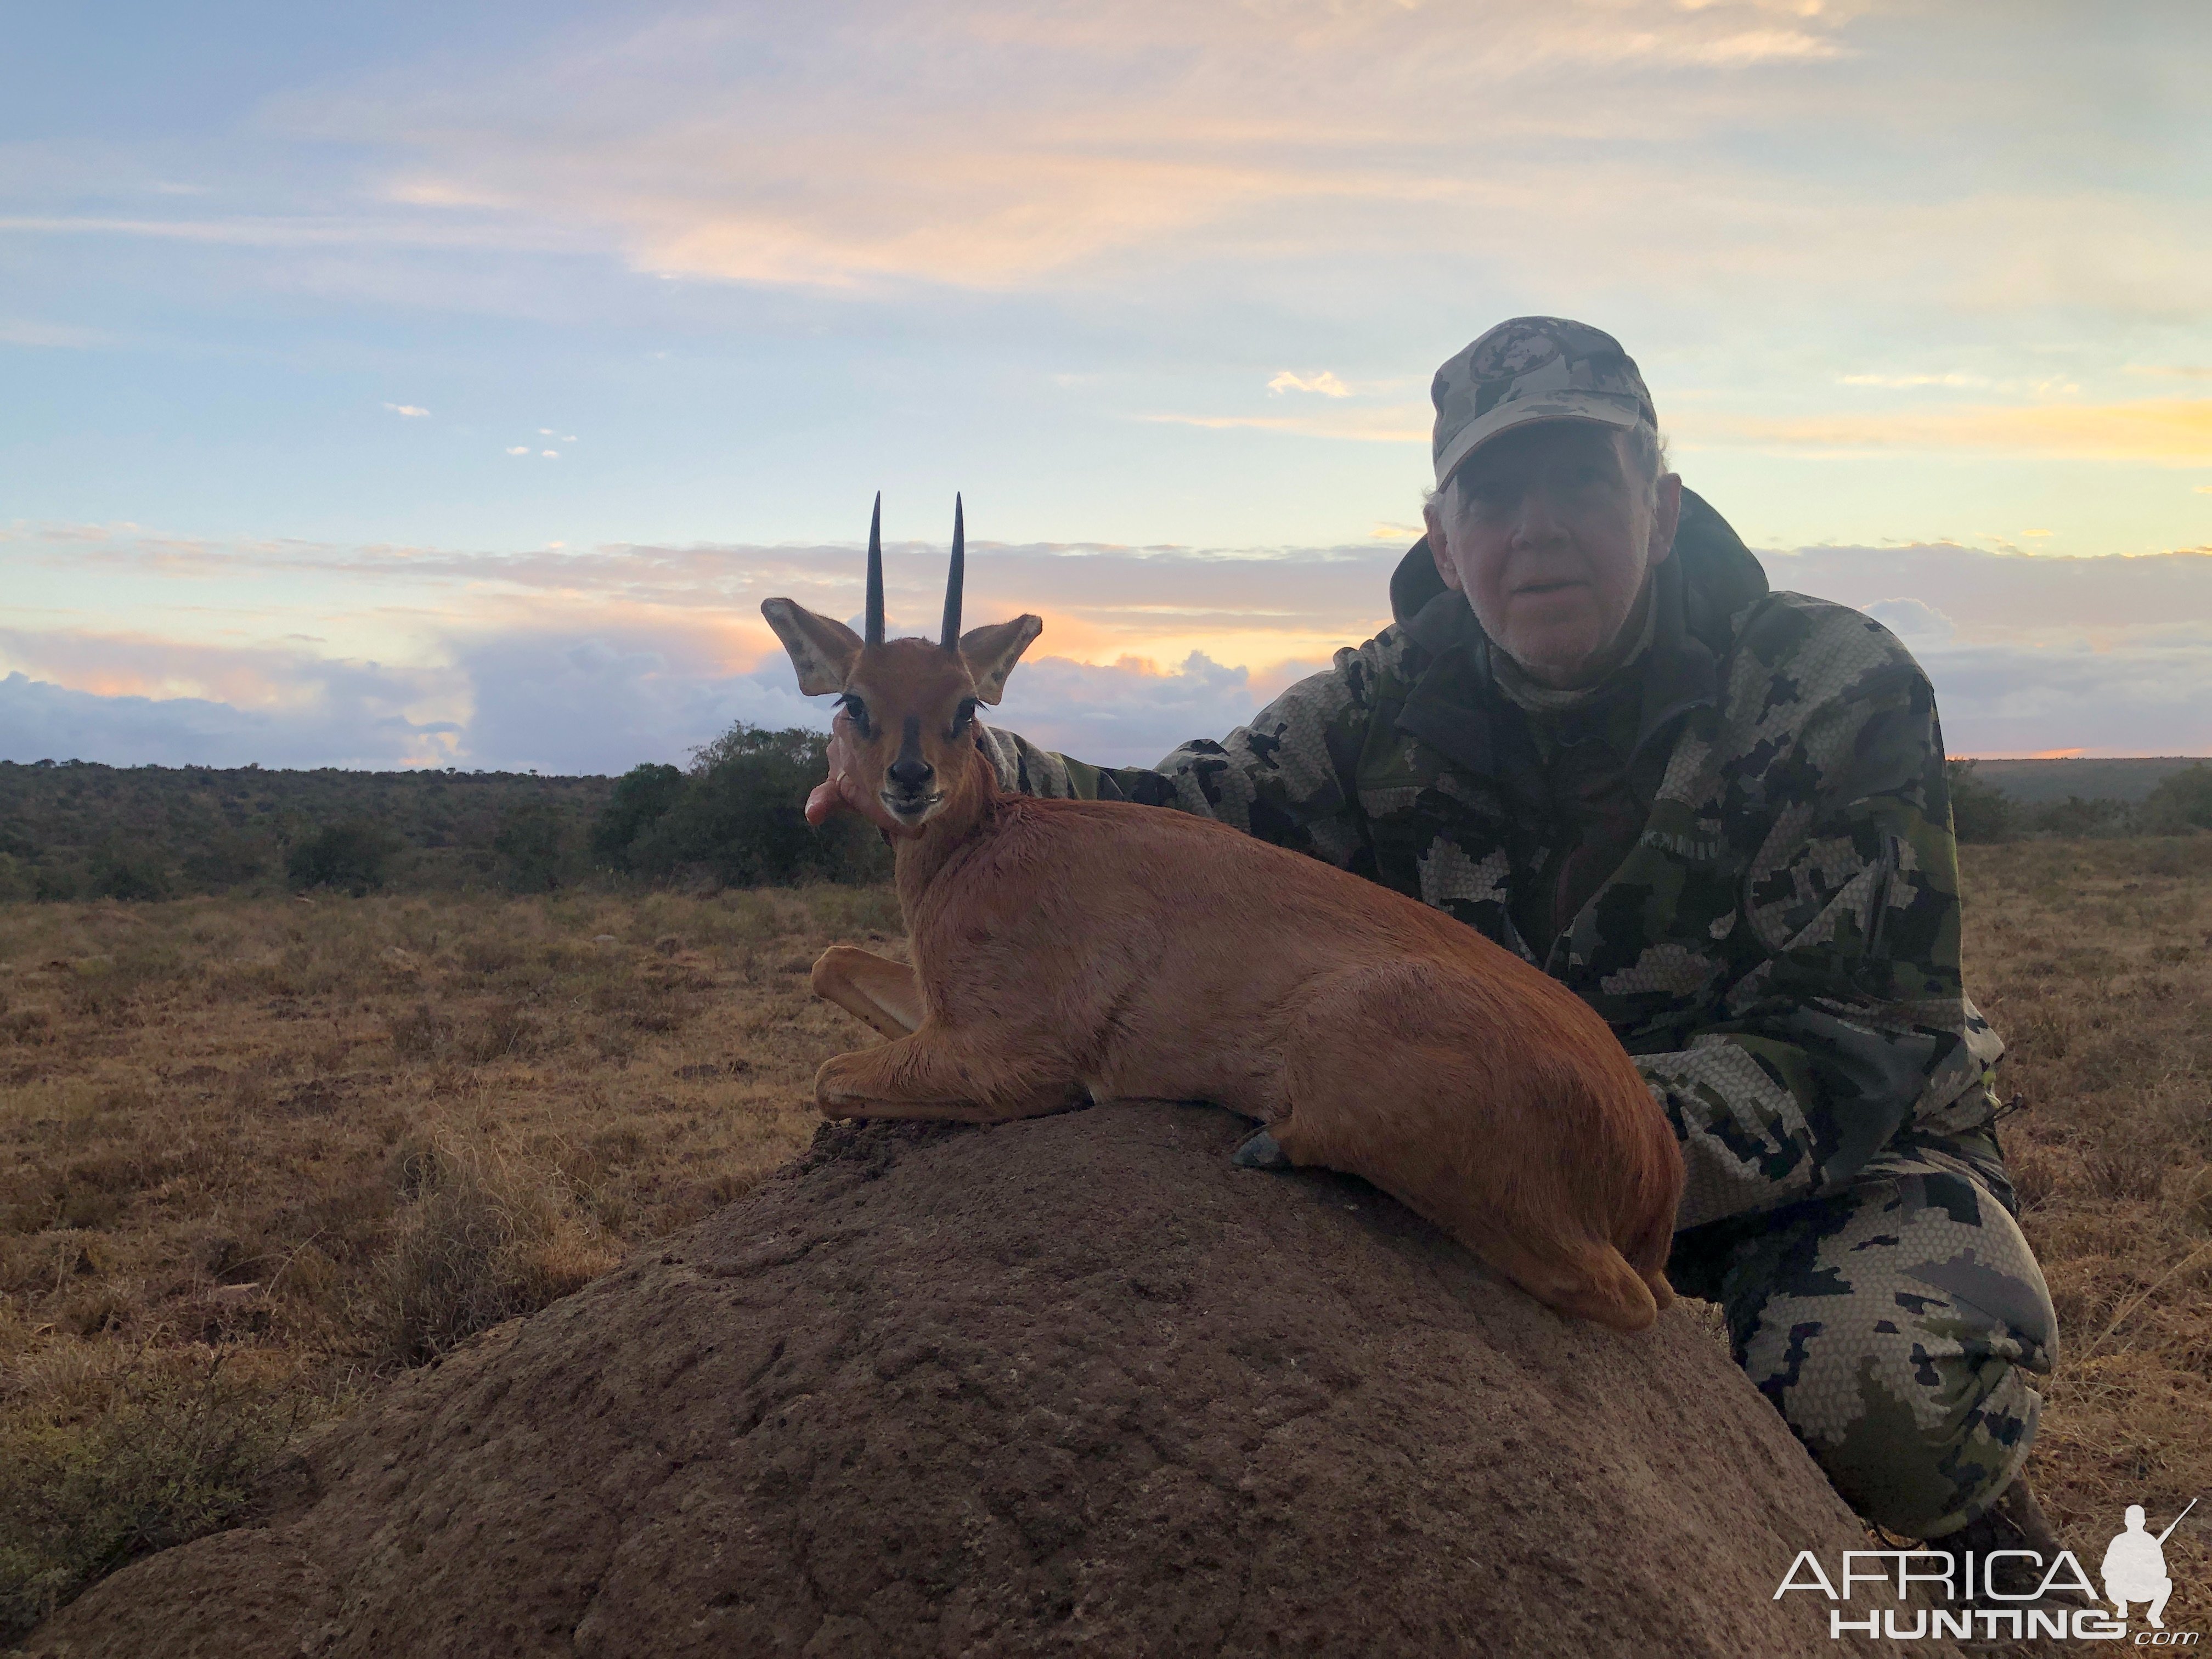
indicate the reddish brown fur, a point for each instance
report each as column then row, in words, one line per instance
column 1066, row 949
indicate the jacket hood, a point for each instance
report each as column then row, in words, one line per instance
column 1714, row 572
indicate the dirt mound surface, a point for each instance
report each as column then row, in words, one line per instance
column 1072, row 1385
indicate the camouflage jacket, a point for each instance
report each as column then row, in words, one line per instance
column 1780, row 946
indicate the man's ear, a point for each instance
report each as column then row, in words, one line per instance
column 1439, row 551
column 993, row 650
column 822, row 651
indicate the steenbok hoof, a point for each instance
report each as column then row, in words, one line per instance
column 1262, row 1151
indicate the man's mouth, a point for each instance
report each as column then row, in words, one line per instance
column 1537, row 590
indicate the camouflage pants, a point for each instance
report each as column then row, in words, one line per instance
column 1896, row 1325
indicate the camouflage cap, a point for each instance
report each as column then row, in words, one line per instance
column 1533, row 368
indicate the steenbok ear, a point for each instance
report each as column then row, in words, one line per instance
column 992, row 651
column 822, row 651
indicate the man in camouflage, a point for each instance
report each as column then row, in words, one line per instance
column 1719, row 813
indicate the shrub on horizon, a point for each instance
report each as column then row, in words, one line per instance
column 2074, row 817
column 1980, row 810
column 2181, row 802
column 353, row 855
column 230, row 857
column 529, row 843
column 642, row 797
column 738, row 818
column 130, row 871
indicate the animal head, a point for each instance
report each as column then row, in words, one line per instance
column 910, row 704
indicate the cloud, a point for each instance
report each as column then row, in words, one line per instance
column 2017, row 597
column 2173, row 431
column 604, row 704
column 357, row 721
column 2004, row 698
column 21, row 332
column 597, row 658
column 1325, row 383
column 1127, row 712
column 1912, row 620
column 601, row 657
column 270, row 678
column 1406, row 424
column 518, row 449
column 290, row 231
column 1785, row 190
column 1005, row 145
column 2029, row 652
column 1911, row 380
column 1279, row 152
column 413, row 411
column 606, row 700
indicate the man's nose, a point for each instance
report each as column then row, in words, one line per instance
column 1537, row 521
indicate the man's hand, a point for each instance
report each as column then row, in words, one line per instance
column 842, row 791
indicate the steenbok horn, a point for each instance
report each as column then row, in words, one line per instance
column 951, row 637
column 873, row 627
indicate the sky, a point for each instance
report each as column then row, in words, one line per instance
column 446, row 385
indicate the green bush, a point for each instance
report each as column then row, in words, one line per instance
column 642, row 797
column 1980, row 811
column 2181, row 802
column 529, row 844
column 151, row 1458
column 128, row 871
column 62, row 878
column 738, row 818
column 2075, row 818
column 81, row 831
column 353, row 855
column 228, row 859
column 742, row 814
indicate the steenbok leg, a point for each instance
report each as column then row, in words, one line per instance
column 872, row 989
column 928, row 1075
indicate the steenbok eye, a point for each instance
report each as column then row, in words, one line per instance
column 855, row 709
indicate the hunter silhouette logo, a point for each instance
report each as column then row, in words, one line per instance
column 2134, row 1566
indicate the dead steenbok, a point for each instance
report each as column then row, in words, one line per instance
column 1069, row 949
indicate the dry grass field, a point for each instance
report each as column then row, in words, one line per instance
column 255, row 1155
column 2093, row 960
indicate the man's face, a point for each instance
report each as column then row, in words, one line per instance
column 1549, row 530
